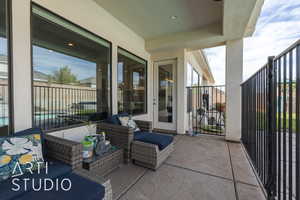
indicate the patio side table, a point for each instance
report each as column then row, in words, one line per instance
column 105, row 163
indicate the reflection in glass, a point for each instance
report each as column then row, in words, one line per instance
column 165, row 101
column 4, row 96
column 195, row 78
column 71, row 73
column 131, row 84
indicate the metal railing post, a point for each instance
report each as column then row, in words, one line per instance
column 271, row 110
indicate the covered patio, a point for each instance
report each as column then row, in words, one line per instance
column 73, row 68
column 202, row 167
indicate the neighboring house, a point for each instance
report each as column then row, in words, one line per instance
column 40, row 76
column 89, row 82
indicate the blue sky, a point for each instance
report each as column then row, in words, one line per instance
column 49, row 61
column 277, row 28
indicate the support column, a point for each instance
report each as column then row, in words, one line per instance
column 114, row 77
column 21, row 53
column 234, row 77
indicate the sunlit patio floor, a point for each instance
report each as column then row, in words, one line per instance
column 202, row 167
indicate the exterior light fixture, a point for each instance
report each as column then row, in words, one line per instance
column 70, row 44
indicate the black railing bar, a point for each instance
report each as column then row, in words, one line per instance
column 290, row 125
column 298, row 124
column 290, row 48
column 284, row 175
column 279, row 128
column 253, row 75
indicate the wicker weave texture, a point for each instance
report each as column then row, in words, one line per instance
column 64, row 150
column 148, row 155
column 105, row 164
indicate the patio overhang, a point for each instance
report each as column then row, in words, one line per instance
column 192, row 25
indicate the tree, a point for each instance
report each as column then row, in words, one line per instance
column 64, row 76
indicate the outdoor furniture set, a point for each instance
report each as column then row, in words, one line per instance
column 62, row 160
column 61, row 165
column 139, row 145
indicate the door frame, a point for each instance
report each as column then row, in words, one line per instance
column 164, row 125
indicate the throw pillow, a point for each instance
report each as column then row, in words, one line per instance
column 132, row 124
column 20, row 153
column 124, row 120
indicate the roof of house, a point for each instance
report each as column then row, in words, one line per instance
column 91, row 80
column 3, row 58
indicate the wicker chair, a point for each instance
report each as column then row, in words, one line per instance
column 70, row 153
column 141, row 153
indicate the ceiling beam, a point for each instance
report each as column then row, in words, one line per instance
column 239, row 17
column 239, row 20
column 203, row 38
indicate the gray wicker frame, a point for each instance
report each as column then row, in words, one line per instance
column 144, row 154
column 70, row 153
column 66, row 151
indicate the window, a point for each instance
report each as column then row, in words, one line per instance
column 189, row 74
column 195, row 81
column 131, row 83
column 71, row 72
column 193, row 77
column 5, row 115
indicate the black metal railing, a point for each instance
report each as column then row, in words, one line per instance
column 206, row 109
column 271, row 124
column 57, row 107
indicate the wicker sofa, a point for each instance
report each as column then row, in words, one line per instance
column 64, row 160
column 141, row 153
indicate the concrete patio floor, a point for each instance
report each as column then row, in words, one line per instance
column 202, row 167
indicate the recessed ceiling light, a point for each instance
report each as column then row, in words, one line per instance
column 174, row 17
column 70, row 44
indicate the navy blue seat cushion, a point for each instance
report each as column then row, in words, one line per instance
column 114, row 119
column 162, row 141
column 55, row 169
column 81, row 188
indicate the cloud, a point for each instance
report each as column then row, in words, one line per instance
column 216, row 59
column 277, row 28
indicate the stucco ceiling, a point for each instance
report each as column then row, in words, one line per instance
column 153, row 18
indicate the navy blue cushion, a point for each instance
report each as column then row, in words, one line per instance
column 114, row 119
column 162, row 141
column 55, row 169
column 81, row 188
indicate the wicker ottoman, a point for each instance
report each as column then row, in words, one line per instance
column 148, row 155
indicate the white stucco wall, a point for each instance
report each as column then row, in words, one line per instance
column 85, row 13
column 89, row 15
column 234, row 77
column 179, row 55
column 21, row 64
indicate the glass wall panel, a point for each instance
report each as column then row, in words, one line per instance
column 4, row 69
column 71, row 72
column 195, row 81
column 189, row 74
column 131, row 83
column 166, row 86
